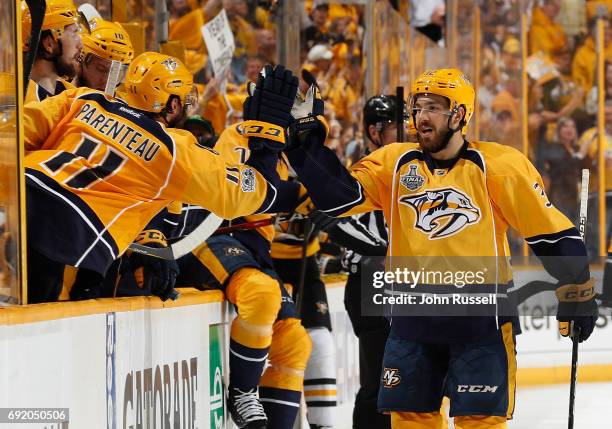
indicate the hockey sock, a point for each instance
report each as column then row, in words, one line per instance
column 480, row 422
column 257, row 298
column 281, row 406
column 320, row 379
column 245, row 365
column 281, row 385
column 404, row 420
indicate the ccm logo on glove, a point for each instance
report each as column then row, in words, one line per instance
column 263, row 130
column 577, row 293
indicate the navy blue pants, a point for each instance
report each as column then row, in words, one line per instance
column 478, row 377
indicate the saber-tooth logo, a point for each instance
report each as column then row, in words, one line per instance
column 391, row 377
column 442, row 212
column 476, row 388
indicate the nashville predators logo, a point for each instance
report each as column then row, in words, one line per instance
column 442, row 212
column 170, row 63
column 391, row 377
column 234, row 251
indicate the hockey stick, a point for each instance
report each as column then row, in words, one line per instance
column 164, row 253
column 308, row 229
column 245, row 226
column 575, row 334
column 184, row 246
column 37, row 13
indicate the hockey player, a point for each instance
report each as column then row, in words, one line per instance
column 267, row 325
column 100, row 169
column 492, row 187
column 59, row 49
column 106, row 42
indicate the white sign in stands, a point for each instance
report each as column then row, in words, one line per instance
column 219, row 43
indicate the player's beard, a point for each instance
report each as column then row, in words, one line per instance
column 65, row 68
column 435, row 141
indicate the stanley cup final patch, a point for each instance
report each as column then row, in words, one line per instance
column 412, row 180
column 247, row 180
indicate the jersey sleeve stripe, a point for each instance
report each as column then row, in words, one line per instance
column 554, row 237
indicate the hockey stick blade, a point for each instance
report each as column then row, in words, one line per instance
column 184, row 246
column 156, row 252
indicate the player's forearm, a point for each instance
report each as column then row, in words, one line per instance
column 281, row 196
column 330, row 186
column 563, row 255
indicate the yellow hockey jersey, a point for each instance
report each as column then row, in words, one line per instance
column 98, row 171
column 36, row 92
column 464, row 210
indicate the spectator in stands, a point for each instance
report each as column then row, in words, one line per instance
column 573, row 19
column 546, row 35
column 496, row 38
column 254, row 65
column 346, row 91
column 585, row 59
column 506, row 129
column 317, row 32
column 333, row 138
column 564, row 91
column 266, row 45
column 429, row 17
column 589, row 144
column 183, row 19
column 508, row 99
column 244, row 36
column 511, row 60
column 547, row 86
column 319, row 60
column 563, row 161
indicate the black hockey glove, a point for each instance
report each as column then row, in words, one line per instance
column 321, row 221
column 154, row 274
column 577, row 304
column 267, row 108
column 307, row 112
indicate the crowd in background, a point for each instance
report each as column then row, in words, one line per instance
column 331, row 49
column 562, row 92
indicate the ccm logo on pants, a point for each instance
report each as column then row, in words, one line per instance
column 461, row 388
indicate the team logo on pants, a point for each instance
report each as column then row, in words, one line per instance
column 391, row 377
column 234, row 251
column 442, row 212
